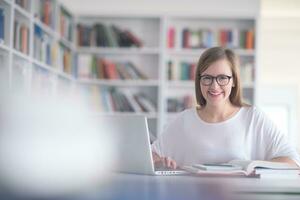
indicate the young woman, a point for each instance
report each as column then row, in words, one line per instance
column 221, row 128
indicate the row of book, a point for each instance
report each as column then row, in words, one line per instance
column 119, row 100
column 103, row 68
column 177, row 104
column 2, row 24
column 65, row 60
column 50, row 52
column 45, row 12
column 205, row 38
column 102, row 35
column 183, row 71
column 65, row 24
column 44, row 48
column 21, row 37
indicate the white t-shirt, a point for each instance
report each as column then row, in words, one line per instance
column 248, row 135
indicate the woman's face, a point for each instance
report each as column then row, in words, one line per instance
column 216, row 83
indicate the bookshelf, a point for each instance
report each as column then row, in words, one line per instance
column 36, row 49
column 118, row 64
column 186, row 39
column 135, row 56
column 171, row 48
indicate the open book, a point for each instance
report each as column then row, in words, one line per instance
column 239, row 167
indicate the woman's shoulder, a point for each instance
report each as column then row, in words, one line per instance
column 254, row 111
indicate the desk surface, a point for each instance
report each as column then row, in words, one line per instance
column 144, row 187
column 129, row 186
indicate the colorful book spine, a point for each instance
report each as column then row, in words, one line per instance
column 2, row 24
column 171, row 38
column 21, row 37
column 65, row 22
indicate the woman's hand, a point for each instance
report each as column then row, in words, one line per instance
column 165, row 162
column 285, row 160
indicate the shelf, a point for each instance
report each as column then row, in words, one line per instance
column 22, row 55
column 121, row 83
column 8, row 2
column 4, row 47
column 65, row 75
column 121, row 50
column 53, row 70
column 151, row 59
column 198, row 52
column 43, row 65
column 22, row 11
column 46, row 28
column 181, row 83
column 147, row 115
column 66, row 43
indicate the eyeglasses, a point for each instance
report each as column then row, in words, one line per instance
column 222, row 79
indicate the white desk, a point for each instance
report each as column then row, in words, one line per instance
column 127, row 186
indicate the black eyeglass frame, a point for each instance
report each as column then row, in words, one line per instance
column 216, row 78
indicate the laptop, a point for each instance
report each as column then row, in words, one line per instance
column 132, row 141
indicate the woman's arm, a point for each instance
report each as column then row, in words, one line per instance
column 285, row 160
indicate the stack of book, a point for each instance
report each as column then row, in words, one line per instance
column 101, row 35
column 102, row 68
column 258, row 168
column 185, row 71
column 205, row 38
column 112, row 99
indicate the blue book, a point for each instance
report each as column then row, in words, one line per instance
column 2, row 24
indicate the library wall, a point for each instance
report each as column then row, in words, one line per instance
column 279, row 48
column 177, row 7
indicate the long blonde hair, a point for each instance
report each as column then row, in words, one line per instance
column 210, row 56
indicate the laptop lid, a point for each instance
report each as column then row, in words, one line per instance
column 132, row 143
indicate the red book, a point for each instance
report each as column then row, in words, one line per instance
column 47, row 13
column 223, row 38
column 24, row 39
column 192, row 71
column 62, row 25
column 249, row 39
column 111, row 70
column 185, row 38
column 136, row 41
column 171, row 37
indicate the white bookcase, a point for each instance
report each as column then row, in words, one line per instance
column 215, row 26
column 21, row 69
column 32, row 72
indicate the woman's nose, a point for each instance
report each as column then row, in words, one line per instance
column 214, row 83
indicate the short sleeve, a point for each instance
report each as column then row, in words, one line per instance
column 275, row 141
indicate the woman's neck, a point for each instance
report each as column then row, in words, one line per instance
column 219, row 113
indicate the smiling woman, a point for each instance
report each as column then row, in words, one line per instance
column 221, row 128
